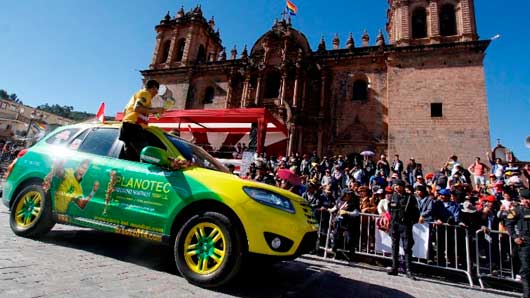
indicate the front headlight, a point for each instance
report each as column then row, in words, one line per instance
column 269, row 198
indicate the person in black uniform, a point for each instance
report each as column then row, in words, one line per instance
column 518, row 223
column 405, row 213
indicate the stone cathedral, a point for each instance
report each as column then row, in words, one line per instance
column 421, row 93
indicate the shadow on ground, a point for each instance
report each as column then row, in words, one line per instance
column 287, row 279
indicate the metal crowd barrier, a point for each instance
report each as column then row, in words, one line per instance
column 445, row 250
column 495, row 256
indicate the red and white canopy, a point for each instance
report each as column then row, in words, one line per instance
column 222, row 128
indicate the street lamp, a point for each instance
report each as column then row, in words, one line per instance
column 32, row 117
column 30, row 122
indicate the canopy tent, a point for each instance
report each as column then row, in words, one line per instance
column 220, row 129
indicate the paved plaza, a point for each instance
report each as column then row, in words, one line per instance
column 75, row 262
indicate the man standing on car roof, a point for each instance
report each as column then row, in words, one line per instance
column 136, row 118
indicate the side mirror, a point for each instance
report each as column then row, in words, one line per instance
column 154, row 155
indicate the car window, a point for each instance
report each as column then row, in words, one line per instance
column 196, row 154
column 62, row 137
column 98, row 141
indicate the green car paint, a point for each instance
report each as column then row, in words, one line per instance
column 109, row 194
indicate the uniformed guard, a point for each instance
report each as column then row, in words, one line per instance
column 404, row 210
column 519, row 228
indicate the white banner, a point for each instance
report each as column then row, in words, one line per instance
column 248, row 158
column 383, row 241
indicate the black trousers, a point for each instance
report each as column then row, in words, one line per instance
column 524, row 257
column 401, row 232
column 134, row 139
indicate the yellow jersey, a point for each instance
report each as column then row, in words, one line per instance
column 68, row 189
column 141, row 98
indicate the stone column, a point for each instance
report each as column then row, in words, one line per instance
column 228, row 100
column 435, row 22
column 157, row 48
column 245, row 92
column 257, row 98
column 304, row 91
column 284, row 87
column 188, row 45
column 405, row 24
column 295, row 91
column 321, row 114
column 290, row 142
column 467, row 19
column 323, row 93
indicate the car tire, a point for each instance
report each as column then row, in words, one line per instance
column 31, row 213
column 208, row 250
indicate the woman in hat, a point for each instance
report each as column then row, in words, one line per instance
column 345, row 224
column 369, row 206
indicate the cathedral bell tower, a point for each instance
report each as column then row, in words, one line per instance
column 184, row 40
column 420, row 22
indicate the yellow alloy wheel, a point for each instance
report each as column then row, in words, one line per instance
column 28, row 209
column 205, row 248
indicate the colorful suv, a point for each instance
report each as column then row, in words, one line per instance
column 213, row 220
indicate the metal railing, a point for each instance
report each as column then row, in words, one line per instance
column 494, row 256
column 448, row 247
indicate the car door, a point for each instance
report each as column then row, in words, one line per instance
column 89, row 170
column 145, row 194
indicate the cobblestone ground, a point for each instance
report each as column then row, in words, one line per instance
column 75, row 262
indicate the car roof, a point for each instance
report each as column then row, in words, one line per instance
column 95, row 124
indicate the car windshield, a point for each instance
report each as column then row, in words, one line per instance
column 196, row 154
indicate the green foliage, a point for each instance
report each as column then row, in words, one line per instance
column 11, row 97
column 4, row 94
column 63, row 111
column 66, row 111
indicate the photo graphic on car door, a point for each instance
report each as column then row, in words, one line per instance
column 84, row 178
column 144, row 196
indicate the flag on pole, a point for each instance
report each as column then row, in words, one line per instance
column 100, row 115
column 292, row 8
column 38, row 126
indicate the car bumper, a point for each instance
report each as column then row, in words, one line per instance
column 264, row 224
column 4, row 193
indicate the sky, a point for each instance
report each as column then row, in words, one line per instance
column 80, row 53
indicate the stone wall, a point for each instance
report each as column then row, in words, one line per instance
column 457, row 81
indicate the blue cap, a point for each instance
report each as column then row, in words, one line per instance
column 444, row 192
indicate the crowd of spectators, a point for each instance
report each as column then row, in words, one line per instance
column 476, row 196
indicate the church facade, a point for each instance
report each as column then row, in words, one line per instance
column 421, row 93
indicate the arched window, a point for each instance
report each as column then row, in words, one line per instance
column 360, row 90
column 272, row 85
column 447, row 20
column 209, row 94
column 165, row 51
column 201, row 56
column 180, row 49
column 419, row 23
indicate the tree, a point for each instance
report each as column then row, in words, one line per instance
column 4, row 94
column 65, row 111
column 14, row 97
